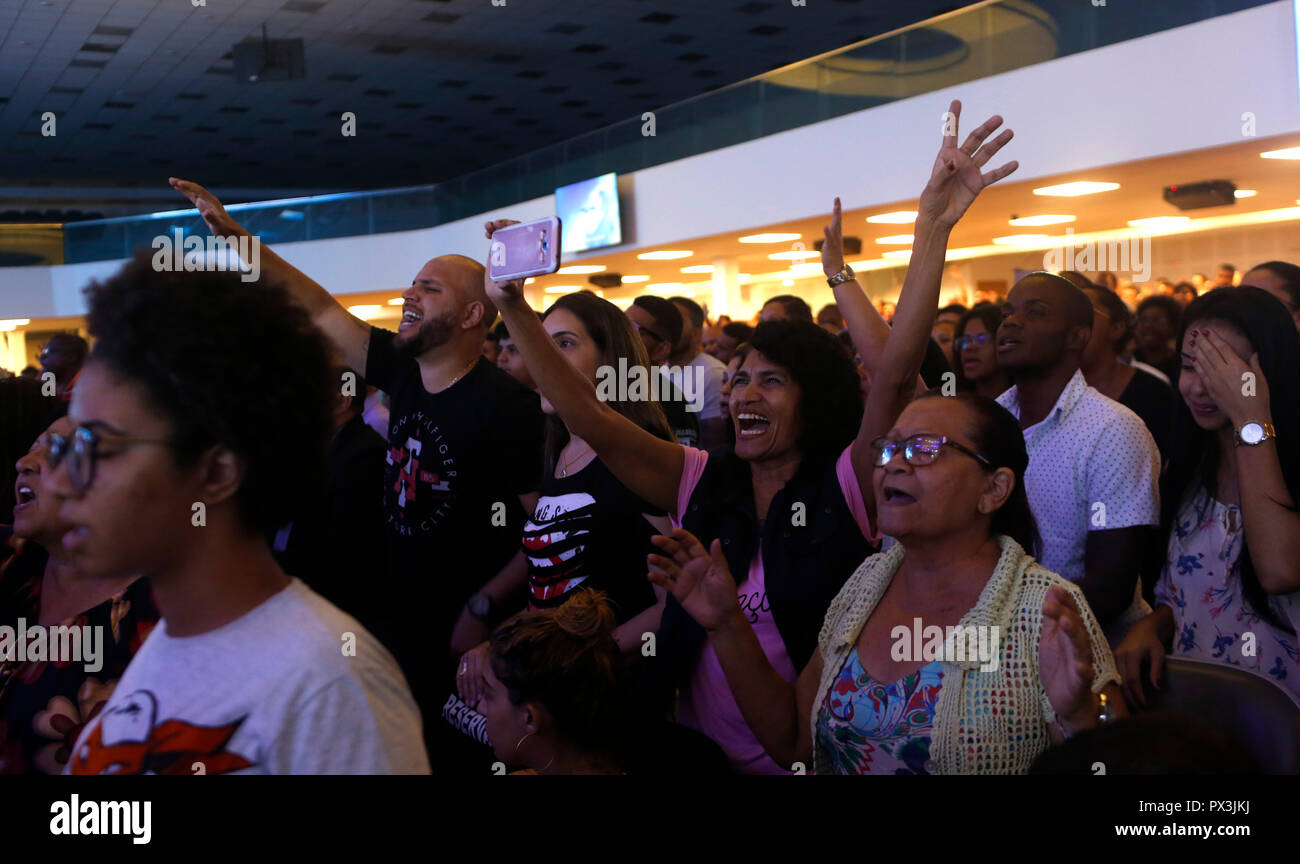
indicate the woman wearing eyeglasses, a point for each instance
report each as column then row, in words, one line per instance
column 790, row 504
column 881, row 696
column 45, row 703
column 975, row 356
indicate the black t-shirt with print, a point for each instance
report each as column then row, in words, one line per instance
column 684, row 422
column 1152, row 400
column 589, row 532
column 457, row 462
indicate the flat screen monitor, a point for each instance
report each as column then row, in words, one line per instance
column 589, row 216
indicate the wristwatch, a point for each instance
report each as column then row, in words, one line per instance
column 480, row 606
column 1253, row 434
column 843, row 276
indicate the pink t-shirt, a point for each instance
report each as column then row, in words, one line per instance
column 707, row 704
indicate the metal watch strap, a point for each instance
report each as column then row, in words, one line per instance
column 845, row 274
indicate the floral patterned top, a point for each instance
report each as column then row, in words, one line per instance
column 868, row 727
column 45, row 704
column 1200, row 582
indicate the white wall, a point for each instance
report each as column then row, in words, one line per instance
column 1139, row 99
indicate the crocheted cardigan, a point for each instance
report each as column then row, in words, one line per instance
column 985, row 722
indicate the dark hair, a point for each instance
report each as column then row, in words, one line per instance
column 1076, row 306
column 1119, row 312
column 169, row 332
column 831, row 312
column 795, row 307
column 738, row 330
column 24, row 415
column 668, row 318
column 1171, row 307
column 997, row 437
column 991, row 317
column 357, row 401
column 614, row 337
column 1290, row 276
column 1182, row 287
column 566, row 659
column 500, row 332
column 693, row 310
column 830, row 403
column 1231, row 267
column 72, row 343
column 1194, row 452
column 952, row 307
column 492, row 335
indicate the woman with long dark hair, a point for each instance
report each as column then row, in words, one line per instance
column 949, row 485
column 975, row 358
column 791, row 502
column 588, row 530
column 1229, row 591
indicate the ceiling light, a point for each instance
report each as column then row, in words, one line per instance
column 1075, row 189
column 898, row 253
column 793, row 255
column 743, row 277
column 1039, row 221
column 1288, row 153
column 898, row 217
column 805, row 267
column 13, row 323
column 1245, row 193
column 366, row 311
column 529, row 281
column 576, row 269
column 665, row 255
column 786, row 283
column 769, row 238
column 562, row 289
column 1158, row 221
column 663, row 286
column 632, row 280
column 1020, row 239
column 397, row 301
column 896, row 240
column 698, row 268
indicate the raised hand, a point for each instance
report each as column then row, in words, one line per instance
column 833, row 247
column 958, row 176
column 220, row 223
column 1224, row 375
column 500, row 292
column 700, row 579
column 1065, row 660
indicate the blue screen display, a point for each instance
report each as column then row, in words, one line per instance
column 589, row 215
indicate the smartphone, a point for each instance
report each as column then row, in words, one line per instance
column 526, row 249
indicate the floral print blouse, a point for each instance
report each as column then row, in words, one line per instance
column 868, row 727
column 45, row 704
column 1201, row 583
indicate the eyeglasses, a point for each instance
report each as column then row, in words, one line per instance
column 82, row 452
column 961, row 342
column 920, row 450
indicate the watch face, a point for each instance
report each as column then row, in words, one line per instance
column 1252, row 433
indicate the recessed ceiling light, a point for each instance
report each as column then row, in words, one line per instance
column 665, row 255
column 743, row 277
column 575, row 269
column 661, row 287
column 768, row 238
column 14, row 323
column 1245, row 193
column 1020, row 239
column 1288, row 153
column 529, row 281
column 898, row 253
column 898, row 217
column 786, row 283
column 562, row 289
column 1039, row 221
column 397, row 301
column 365, row 311
column 1075, row 189
column 896, row 240
column 1158, row 221
column 698, row 268
column 794, row 255
column 632, row 280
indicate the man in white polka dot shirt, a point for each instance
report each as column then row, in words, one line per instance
column 1093, row 478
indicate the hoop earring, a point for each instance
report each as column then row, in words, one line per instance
column 521, row 741
column 541, row 770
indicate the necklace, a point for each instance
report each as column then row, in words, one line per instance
column 463, row 372
column 564, row 469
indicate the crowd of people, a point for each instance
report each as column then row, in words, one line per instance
column 449, row 548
